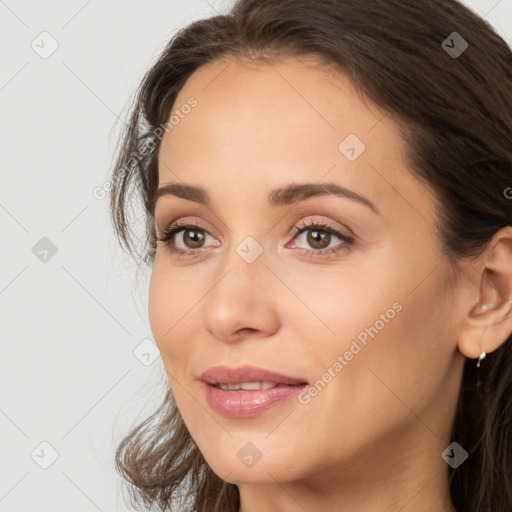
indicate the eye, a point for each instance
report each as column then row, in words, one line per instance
column 192, row 238
column 319, row 236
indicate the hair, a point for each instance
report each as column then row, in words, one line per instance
column 455, row 116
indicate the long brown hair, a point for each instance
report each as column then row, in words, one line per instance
column 455, row 114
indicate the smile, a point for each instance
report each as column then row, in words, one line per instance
column 247, row 391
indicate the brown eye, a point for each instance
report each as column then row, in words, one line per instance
column 185, row 239
column 318, row 236
column 192, row 238
column 318, row 239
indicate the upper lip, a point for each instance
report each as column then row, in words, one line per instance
column 227, row 375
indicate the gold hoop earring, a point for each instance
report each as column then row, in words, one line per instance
column 482, row 356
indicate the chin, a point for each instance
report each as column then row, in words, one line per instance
column 262, row 472
column 240, row 460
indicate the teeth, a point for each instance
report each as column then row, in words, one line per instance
column 248, row 386
column 229, row 386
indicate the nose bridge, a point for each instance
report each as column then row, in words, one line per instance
column 247, row 239
column 241, row 295
column 243, row 270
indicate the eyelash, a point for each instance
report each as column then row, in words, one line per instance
column 299, row 229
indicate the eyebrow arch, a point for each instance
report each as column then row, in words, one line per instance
column 289, row 194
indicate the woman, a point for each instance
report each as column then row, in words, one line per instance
column 327, row 189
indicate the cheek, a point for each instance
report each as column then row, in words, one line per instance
column 340, row 307
column 160, row 305
column 401, row 367
column 171, row 319
column 382, row 336
column 170, row 313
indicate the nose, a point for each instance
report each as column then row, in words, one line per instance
column 242, row 301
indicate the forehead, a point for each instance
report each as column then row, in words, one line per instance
column 299, row 100
column 256, row 125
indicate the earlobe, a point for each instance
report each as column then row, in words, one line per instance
column 488, row 323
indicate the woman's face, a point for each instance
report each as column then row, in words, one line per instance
column 353, row 309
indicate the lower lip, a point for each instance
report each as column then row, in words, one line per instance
column 244, row 404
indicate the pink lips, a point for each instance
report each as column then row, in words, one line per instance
column 240, row 403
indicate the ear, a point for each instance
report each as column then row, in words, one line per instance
column 488, row 320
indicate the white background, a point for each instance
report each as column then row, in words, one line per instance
column 70, row 325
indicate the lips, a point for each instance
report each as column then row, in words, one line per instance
column 247, row 391
column 226, row 375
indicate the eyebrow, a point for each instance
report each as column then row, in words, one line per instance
column 286, row 195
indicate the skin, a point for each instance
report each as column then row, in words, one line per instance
column 371, row 439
